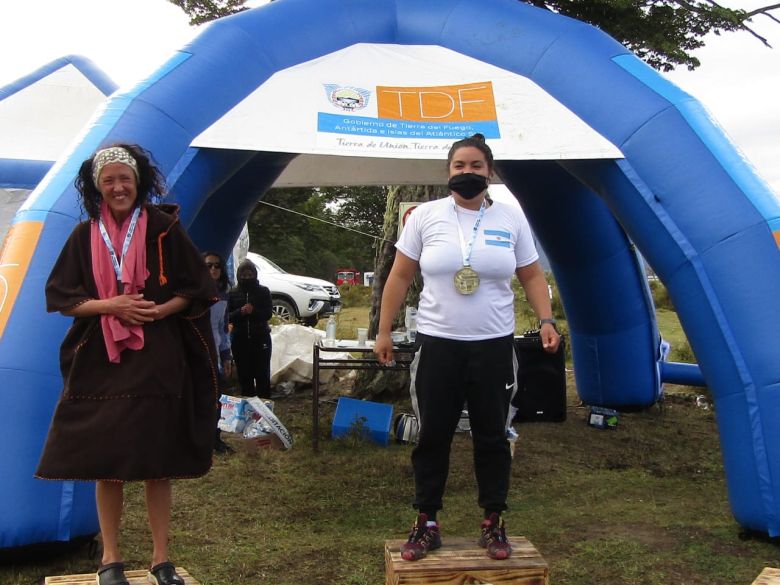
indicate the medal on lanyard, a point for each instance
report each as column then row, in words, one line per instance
column 467, row 279
column 117, row 263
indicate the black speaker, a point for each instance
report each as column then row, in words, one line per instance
column 541, row 380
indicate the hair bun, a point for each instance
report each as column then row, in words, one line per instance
column 478, row 136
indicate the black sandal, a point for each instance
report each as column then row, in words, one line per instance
column 164, row 574
column 112, row 574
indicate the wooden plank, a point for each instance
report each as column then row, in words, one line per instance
column 768, row 576
column 461, row 561
column 137, row 577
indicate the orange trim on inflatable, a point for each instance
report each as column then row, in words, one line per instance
column 15, row 257
column 776, row 233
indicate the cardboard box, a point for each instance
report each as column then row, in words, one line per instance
column 268, row 442
column 236, row 413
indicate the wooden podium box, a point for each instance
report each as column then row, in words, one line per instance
column 137, row 577
column 460, row 561
column 768, row 576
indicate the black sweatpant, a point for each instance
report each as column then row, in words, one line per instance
column 253, row 364
column 445, row 374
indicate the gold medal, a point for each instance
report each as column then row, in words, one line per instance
column 466, row 280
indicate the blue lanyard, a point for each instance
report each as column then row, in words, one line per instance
column 117, row 263
column 464, row 247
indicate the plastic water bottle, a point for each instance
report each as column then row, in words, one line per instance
column 411, row 323
column 330, row 331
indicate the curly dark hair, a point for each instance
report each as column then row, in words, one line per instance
column 150, row 180
column 478, row 142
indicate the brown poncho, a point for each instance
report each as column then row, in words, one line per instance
column 153, row 415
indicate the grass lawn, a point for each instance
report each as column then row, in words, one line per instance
column 645, row 503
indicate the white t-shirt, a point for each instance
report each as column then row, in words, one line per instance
column 503, row 243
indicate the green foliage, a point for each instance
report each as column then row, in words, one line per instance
column 355, row 296
column 672, row 331
column 661, row 297
column 681, row 352
column 525, row 318
column 358, row 208
column 312, row 231
column 358, row 212
column 661, row 32
column 201, row 11
column 284, row 237
column 557, row 304
column 347, row 321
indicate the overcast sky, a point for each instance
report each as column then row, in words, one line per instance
column 738, row 82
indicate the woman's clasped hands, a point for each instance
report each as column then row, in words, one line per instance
column 134, row 309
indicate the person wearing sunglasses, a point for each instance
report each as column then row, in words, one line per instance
column 219, row 327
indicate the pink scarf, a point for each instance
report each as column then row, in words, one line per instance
column 119, row 335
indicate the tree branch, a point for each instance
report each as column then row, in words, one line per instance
column 755, row 34
column 764, row 10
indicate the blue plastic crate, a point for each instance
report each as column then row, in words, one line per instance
column 373, row 418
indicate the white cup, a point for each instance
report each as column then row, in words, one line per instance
column 362, row 336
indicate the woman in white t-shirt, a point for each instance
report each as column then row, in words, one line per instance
column 467, row 247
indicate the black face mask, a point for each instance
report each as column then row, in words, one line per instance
column 467, row 185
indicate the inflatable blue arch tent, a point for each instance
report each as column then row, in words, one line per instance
column 40, row 114
column 37, row 128
column 654, row 173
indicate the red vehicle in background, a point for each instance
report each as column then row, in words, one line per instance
column 348, row 276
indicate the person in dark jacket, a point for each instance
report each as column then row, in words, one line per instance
column 249, row 309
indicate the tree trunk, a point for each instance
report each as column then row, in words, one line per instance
column 392, row 385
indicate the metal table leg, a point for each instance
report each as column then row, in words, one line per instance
column 315, row 403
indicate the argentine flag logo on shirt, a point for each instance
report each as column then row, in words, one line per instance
column 497, row 238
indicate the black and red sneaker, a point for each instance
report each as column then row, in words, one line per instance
column 422, row 538
column 493, row 538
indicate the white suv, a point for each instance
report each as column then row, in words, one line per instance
column 296, row 297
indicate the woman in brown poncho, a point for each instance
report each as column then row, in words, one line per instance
column 138, row 363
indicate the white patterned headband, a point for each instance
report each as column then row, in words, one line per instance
column 114, row 154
